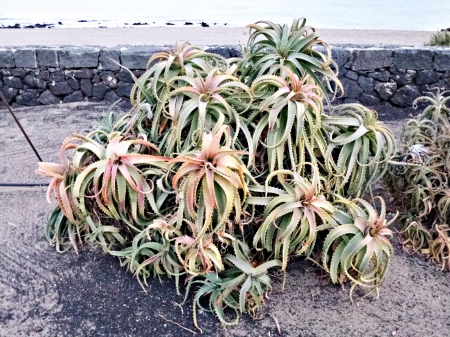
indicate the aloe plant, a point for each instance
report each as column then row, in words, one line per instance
column 363, row 249
column 420, row 173
column 224, row 169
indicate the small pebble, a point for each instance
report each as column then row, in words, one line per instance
column 394, row 333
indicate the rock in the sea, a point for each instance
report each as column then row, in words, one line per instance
column 187, row 23
column 204, row 24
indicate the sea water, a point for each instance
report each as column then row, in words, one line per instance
column 428, row 15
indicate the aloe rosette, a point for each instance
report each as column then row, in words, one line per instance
column 362, row 240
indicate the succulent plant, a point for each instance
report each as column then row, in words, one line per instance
column 224, row 169
column 362, row 247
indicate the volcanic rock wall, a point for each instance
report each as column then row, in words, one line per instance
column 387, row 79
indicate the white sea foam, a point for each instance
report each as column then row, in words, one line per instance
column 350, row 14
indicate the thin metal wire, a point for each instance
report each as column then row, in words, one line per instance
column 5, row 103
column 22, row 185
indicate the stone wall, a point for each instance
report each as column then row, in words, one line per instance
column 390, row 79
column 386, row 79
column 40, row 76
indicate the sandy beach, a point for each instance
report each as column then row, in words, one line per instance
column 108, row 37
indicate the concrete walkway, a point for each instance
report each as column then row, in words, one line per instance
column 109, row 37
column 45, row 294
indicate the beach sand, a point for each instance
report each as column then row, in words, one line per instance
column 108, row 37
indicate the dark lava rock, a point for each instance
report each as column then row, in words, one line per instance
column 28, row 98
column 82, row 20
column 111, row 96
column 413, row 59
column 140, row 24
column 83, row 57
column 7, row 59
column 170, row 24
column 76, row 96
column 29, row 27
column 34, row 82
column 96, row 79
column 374, row 58
column 48, row 98
column 99, row 90
column 9, row 93
column 57, row 76
column 109, row 59
column 404, row 77
column 188, row 23
column 13, row 82
column 442, row 60
column 204, row 24
column 405, row 96
column 369, row 100
column 124, row 89
column 366, row 84
column 124, row 76
column 225, row 52
column 109, row 78
column 81, row 74
column 382, row 76
column 47, row 58
column 86, row 87
column 59, row 23
column 60, row 88
column 19, row 72
column 74, row 84
column 351, row 88
column 386, row 90
column 352, row 75
column 426, row 77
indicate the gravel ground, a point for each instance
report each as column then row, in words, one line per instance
column 43, row 293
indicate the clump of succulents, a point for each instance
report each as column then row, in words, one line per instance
column 226, row 168
column 420, row 173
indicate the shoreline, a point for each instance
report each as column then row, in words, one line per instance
column 201, row 36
